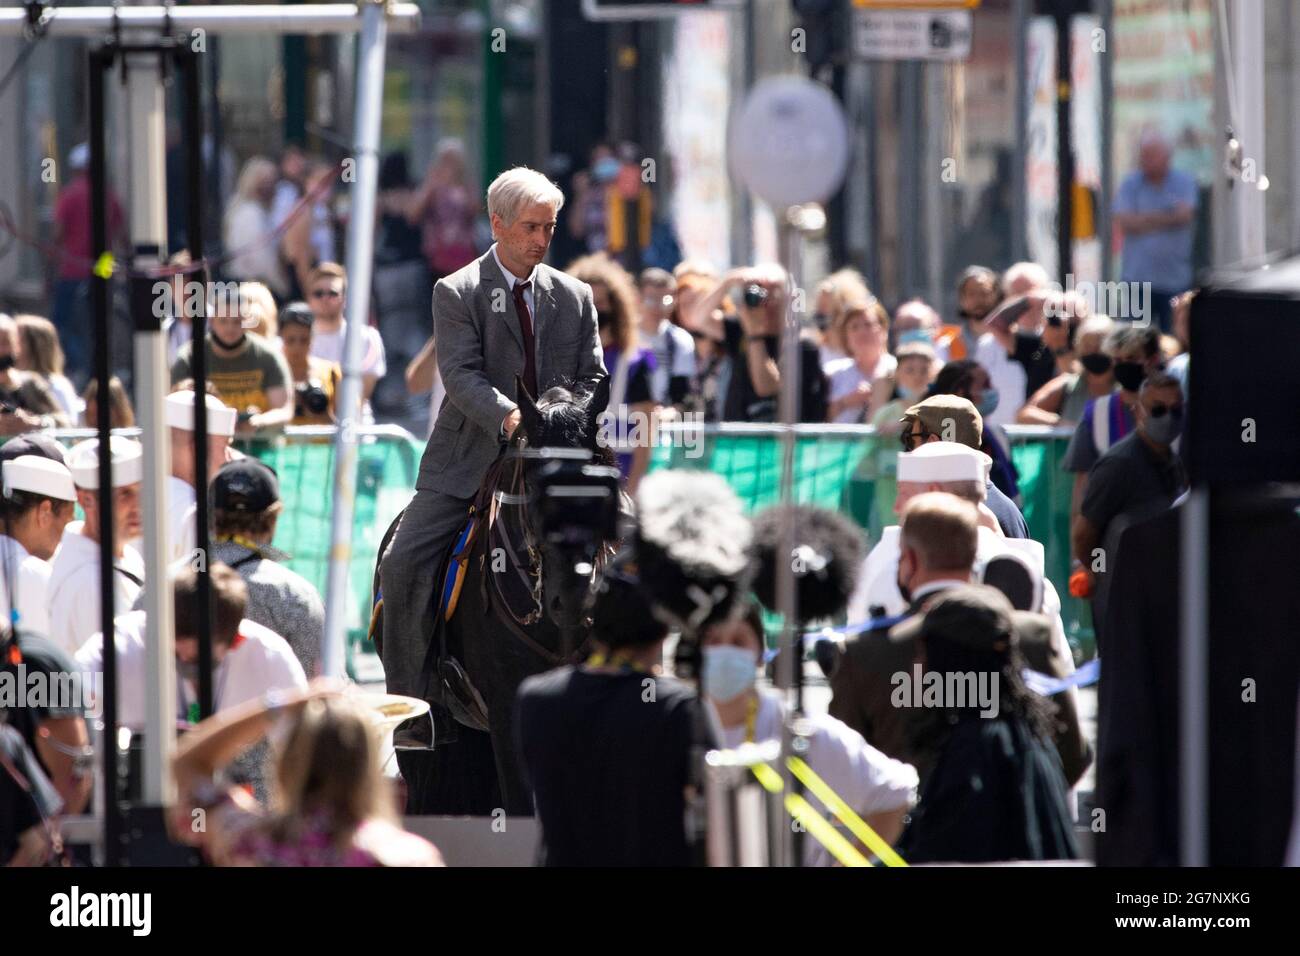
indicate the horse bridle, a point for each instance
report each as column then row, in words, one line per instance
column 533, row 581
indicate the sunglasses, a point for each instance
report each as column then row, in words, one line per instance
column 912, row 439
column 325, row 293
column 1160, row 410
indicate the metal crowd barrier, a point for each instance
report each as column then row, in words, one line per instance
column 303, row 458
column 845, row 467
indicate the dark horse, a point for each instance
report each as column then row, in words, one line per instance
column 509, row 619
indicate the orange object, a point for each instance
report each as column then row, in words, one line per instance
column 1081, row 583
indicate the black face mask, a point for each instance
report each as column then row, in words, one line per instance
column 1130, row 375
column 1098, row 363
column 604, row 319
column 230, row 346
column 6, row 362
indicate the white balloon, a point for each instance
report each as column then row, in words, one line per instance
column 789, row 142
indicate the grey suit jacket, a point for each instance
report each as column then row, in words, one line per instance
column 481, row 350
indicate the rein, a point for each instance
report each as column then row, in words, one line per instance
column 502, row 489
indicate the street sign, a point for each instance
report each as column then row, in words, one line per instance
column 911, row 34
column 789, row 142
column 651, row 9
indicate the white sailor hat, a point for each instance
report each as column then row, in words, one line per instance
column 41, row 476
column 180, row 414
column 942, row 461
column 128, row 462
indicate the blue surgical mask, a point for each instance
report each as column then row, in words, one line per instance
column 909, row 394
column 989, row 403
column 605, row 169
column 728, row 672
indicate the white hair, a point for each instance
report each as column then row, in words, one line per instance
column 1031, row 271
column 1099, row 325
column 519, row 187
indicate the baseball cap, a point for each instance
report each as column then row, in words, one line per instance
column 948, row 416
column 246, row 485
column 969, row 615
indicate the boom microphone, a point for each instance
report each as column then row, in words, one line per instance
column 691, row 547
column 827, row 556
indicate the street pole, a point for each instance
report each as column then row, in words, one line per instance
column 146, row 141
column 360, row 265
column 1064, row 146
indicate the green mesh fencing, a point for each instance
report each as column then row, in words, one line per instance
column 845, row 470
column 386, row 470
column 855, row 473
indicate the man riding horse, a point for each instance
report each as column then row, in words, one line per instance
column 504, row 315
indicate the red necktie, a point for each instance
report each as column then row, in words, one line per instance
column 526, row 327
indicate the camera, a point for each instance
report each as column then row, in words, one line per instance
column 310, row 398
column 755, row 295
column 576, row 500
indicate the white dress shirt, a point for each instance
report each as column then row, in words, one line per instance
column 259, row 661
column 29, row 578
column 72, row 599
column 513, row 280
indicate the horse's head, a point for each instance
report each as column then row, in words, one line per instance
column 560, row 418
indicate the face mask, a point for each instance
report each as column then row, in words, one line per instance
column 909, row 394
column 1165, row 429
column 728, row 672
column 989, row 402
column 1130, row 375
column 230, row 346
column 604, row 319
column 6, row 362
column 1098, row 363
column 188, row 671
column 605, row 169
column 915, row 335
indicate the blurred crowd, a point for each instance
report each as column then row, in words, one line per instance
column 683, row 342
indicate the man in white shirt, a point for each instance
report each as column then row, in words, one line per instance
column 959, row 470
column 182, row 483
column 673, row 347
column 36, row 504
column 248, row 660
column 72, row 600
column 326, row 290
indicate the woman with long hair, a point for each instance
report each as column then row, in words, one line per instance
column 632, row 409
column 248, row 225
column 41, row 354
column 331, row 804
column 445, row 209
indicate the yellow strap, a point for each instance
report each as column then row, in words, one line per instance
column 819, row 788
column 799, row 808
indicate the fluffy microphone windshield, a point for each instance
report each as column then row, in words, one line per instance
column 691, row 547
column 828, row 551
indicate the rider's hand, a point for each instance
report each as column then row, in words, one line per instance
column 511, row 423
